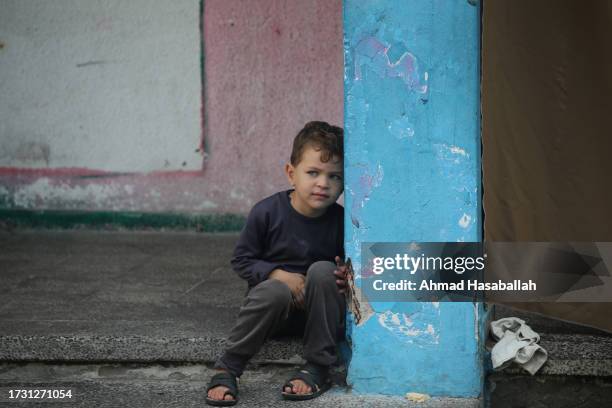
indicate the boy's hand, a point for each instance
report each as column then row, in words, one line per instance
column 340, row 273
column 296, row 283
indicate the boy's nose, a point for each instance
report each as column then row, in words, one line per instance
column 323, row 182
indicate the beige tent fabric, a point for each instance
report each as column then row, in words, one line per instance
column 547, row 129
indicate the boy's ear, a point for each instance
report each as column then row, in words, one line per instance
column 290, row 172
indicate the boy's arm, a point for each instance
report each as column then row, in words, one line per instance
column 246, row 260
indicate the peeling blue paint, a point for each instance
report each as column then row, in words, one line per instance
column 413, row 174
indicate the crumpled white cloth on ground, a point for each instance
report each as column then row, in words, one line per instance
column 516, row 342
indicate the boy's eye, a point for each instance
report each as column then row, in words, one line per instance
column 312, row 173
column 336, row 177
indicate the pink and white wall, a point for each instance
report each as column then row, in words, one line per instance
column 156, row 106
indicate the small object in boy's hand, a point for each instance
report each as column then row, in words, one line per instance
column 340, row 273
column 351, row 295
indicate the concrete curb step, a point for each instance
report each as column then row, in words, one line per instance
column 135, row 349
column 112, row 385
column 569, row 354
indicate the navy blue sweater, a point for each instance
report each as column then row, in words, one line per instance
column 277, row 236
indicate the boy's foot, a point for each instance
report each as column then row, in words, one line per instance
column 309, row 382
column 222, row 389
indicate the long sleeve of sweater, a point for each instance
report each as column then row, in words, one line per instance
column 247, row 259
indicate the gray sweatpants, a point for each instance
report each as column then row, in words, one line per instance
column 268, row 310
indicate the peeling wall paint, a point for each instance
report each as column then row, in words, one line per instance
column 411, row 328
column 371, row 52
column 368, row 181
column 412, row 174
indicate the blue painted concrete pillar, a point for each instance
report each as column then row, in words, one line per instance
column 413, row 174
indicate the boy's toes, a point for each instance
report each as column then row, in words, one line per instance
column 218, row 393
column 299, row 387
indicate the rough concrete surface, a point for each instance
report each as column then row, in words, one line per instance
column 542, row 391
column 120, row 296
column 412, row 165
column 576, row 354
column 101, row 298
column 111, row 385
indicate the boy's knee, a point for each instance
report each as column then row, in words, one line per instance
column 272, row 292
column 321, row 272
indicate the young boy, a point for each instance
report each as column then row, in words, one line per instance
column 286, row 253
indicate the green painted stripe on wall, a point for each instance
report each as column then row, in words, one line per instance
column 119, row 220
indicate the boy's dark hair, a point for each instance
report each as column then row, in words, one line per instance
column 321, row 136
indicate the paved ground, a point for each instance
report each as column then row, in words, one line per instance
column 542, row 391
column 112, row 385
column 101, row 298
column 113, row 296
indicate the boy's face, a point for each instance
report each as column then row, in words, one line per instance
column 317, row 184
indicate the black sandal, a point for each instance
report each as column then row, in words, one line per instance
column 227, row 380
column 315, row 376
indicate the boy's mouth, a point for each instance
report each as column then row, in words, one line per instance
column 320, row 195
